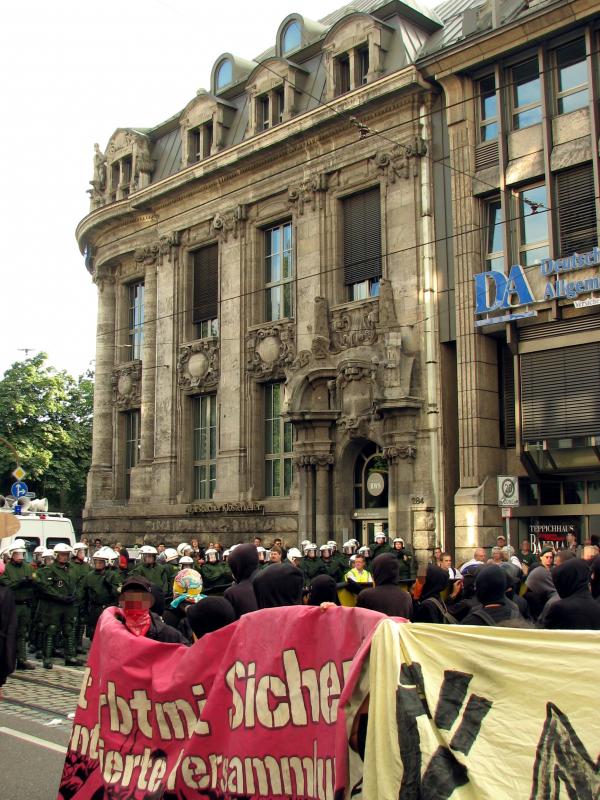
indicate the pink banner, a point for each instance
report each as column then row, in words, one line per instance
column 249, row 711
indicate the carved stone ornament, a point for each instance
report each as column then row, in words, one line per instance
column 322, row 460
column 354, row 326
column 155, row 252
column 198, row 366
column 396, row 163
column 229, row 222
column 271, row 350
column 354, row 391
column 395, row 452
column 127, row 386
column 307, row 192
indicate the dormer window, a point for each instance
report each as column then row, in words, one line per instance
column 224, row 74
column 352, row 69
column 121, row 172
column 200, row 142
column 270, row 108
column 292, row 37
column 343, row 74
column 362, row 65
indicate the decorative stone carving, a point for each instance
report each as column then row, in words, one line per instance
column 395, row 163
column 396, row 452
column 154, row 253
column 127, row 386
column 321, row 344
column 271, row 350
column 323, row 460
column 229, row 221
column 307, row 192
column 387, row 308
column 198, row 366
column 144, row 165
column 104, row 275
column 353, row 326
column 354, row 390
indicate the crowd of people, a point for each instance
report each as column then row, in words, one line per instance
column 179, row 594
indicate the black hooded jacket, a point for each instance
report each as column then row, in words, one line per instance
column 323, row 589
column 430, row 607
column 243, row 562
column 386, row 597
column 576, row 609
column 490, row 589
column 279, row 585
column 209, row 615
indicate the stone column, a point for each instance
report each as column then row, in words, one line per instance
column 100, row 475
column 322, row 465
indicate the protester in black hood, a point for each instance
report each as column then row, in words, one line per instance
column 595, row 578
column 209, row 615
column 466, row 601
column 323, row 589
column 386, row 597
column 576, row 609
column 279, row 585
column 243, row 563
column 431, row 607
column 490, row 589
column 135, row 601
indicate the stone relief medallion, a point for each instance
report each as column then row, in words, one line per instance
column 271, row 349
column 354, row 390
column 198, row 366
column 127, row 385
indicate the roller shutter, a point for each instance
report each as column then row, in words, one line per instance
column 206, row 281
column 362, row 236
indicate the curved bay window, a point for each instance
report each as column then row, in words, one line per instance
column 371, row 478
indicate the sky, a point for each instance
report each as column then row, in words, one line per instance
column 72, row 72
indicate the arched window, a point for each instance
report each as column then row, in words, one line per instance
column 371, row 478
column 292, row 37
column 224, row 74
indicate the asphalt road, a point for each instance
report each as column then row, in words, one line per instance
column 35, row 726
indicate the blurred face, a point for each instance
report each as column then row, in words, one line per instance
column 398, row 546
column 99, row 564
column 359, row 563
column 135, row 600
column 61, row 558
column 547, row 560
column 446, row 562
column 325, row 553
column 160, row 548
column 480, row 554
column 257, row 541
column 437, row 553
column 311, row 553
column 525, row 546
column 149, row 559
column 18, row 557
column 80, row 555
column 212, row 558
column 275, row 556
column 500, row 541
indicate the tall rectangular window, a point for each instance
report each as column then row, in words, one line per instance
column 132, row 445
column 263, row 109
column 279, row 272
column 533, row 225
column 571, row 77
column 205, row 446
column 135, row 319
column 488, row 109
column 494, row 255
column 194, row 145
column 206, row 289
column 278, row 445
column 527, row 94
column 342, row 74
column 362, row 58
column 279, row 101
column 362, row 243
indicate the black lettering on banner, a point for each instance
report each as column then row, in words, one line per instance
column 444, row 773
column 562, row 760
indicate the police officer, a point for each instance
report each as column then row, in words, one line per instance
column 404, row 558
column 151, row 570
column 311, row 565
column 330, row 565
column 80, row 568
column 101, row 587
column 19, row 577
column 58, row 584
column 380, row 545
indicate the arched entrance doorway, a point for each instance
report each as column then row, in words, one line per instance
column 371, row 489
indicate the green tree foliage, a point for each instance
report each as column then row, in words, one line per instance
column 47, row 416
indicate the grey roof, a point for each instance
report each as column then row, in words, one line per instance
column 451, row 13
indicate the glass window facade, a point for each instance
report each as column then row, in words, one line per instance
column 135, row 293
column 527, row 94
column 279, row 272
column 292, row 37
column 571, row 77
column 494, row 257
column 488, row 109
column 534, row 220
column 224, row 74
column 205, row 446
column 277, row 444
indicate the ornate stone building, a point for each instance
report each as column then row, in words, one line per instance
column 267, row 338
column 292, row 337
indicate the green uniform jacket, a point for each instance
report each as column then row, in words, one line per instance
column 378, row 549
column 156, row 574
column 311, row 567
column 404, row 562
column 216, row 575
column 57, row 583
column 80, row 570
column 101, row 588
column 20, row 579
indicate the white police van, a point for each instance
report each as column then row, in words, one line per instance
column 35, row 527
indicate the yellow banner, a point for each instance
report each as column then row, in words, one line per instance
column 481, row 713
